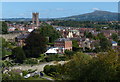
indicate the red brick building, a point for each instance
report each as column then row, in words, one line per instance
column 63, row 44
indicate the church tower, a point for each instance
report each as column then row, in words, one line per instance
column 35, row 19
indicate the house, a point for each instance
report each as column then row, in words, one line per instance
column 70, row 35
column 59, row 28
column 108, row 33
column 63, row 44
column 10, row 29
column 21, row 39
column 114, row 43
column 86, row 44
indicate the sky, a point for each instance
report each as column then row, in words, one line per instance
column 60, row 0
column 54, row 9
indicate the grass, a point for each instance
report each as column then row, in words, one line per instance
column 47, row 76
column 32, row 78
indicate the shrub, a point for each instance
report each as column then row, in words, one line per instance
column 19, row 54
column 31, row 61
column 50, row 70
column 62, row 58
column 51, row 58
column 69, row 53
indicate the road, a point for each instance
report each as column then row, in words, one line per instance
column 48, row 78
column 39, row 67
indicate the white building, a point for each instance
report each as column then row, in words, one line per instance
column 114, row 43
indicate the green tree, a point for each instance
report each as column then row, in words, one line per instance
column 119, row 42
column 48, row 31
column 98, row 29
column 105, row 44
column 76, row 67
column 114, row 37
column 105, row 66
column 69, row 53
column 75, row 45
column 35, row 44
column 5, row 47
column 51, row 70
column 3, row 28
column 89, row 35
column 11, row 76
column 19, row 54
column 100, row 35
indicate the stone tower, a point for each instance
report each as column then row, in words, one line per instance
column 35, row 19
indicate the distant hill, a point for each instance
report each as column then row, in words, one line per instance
column 97, row 15
column 94, row 16
column 17, row 19
column 23, row 19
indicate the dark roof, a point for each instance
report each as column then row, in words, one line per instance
column 78, row 39
column 22, row 36
column 63, row 39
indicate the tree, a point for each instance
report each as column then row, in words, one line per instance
column 115, row 37
column 12, row 75
column 19, row 54
column 100, row 35
column 105, row 44
column 75, row 45
column 119, row 42
column 35, row 44
column 5, row 47
column 98, row 29
column 69, row 53
column 3, row 28
column 48, row 31
column 52, row 70
column 89, row 35
column 75, row 68
column 105, row 66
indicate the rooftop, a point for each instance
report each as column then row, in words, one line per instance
column 63, row 39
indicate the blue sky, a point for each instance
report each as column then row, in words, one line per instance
column 54, row 9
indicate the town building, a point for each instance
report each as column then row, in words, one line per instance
column 35, row 19
column 21, row 39
column 63, row 44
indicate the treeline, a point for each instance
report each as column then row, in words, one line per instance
column 86, row 24
column 104, row 67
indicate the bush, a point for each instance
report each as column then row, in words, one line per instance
column 69, row 53
column 19, row 54
column 62, row 58
column 51, row 58
column 7, row 64
column 31, row 61
column 50, row 70
column 36, row 76
column 25, row 73
column 12, row 76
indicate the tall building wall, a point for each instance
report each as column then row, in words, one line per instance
column 35, row 19
column 68, row 45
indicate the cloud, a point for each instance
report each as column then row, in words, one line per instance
column 95, row 8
